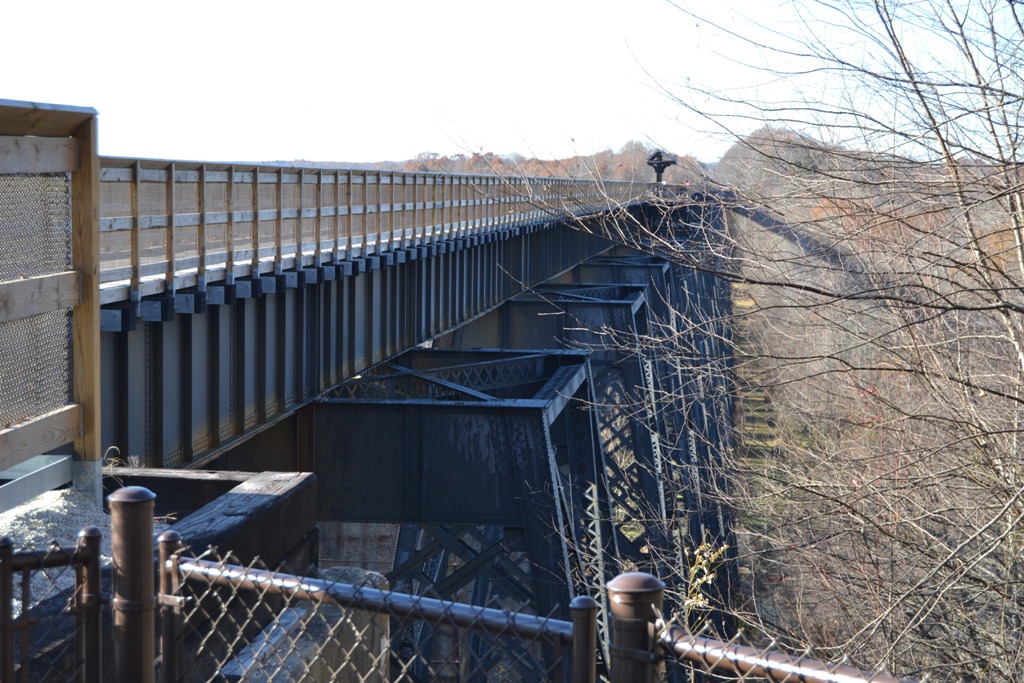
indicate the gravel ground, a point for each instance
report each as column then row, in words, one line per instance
column 56, row 517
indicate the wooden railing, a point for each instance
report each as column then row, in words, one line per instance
column 49, row 310
column 170, row 225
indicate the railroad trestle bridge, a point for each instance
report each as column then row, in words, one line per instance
column 476, row 360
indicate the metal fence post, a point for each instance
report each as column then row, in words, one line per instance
column 635, row 601
column 88, row 645
column 6, row 609
column 131, row 523
column 584, row 639
column 172, row 654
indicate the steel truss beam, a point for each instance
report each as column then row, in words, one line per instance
column 690, row 373
column 659, row 343
column 610, row 321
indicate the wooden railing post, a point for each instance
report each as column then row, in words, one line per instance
column 635, row 601
column 85, row 247
column 131, row 525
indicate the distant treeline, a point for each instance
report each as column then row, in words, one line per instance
column 628, row 163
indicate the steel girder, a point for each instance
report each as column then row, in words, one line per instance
column 198, row 381
column 465, row 446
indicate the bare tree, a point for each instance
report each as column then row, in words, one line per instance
column 876, row 243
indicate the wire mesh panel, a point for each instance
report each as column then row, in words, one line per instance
column 245, row 623
column 35, row 224
column 35, row 366
column 35, row 240
column 44, row 641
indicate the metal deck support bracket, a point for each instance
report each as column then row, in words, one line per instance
column 249, row 288
column 312, row 275
column 268, row 284
column 289, row 279
column 119, row 317
column 190, row 303
column 157, row 309
column 221, row 294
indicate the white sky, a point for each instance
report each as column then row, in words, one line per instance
column 338, row 80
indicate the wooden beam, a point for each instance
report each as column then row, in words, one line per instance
column 85, row 256
column 247, row 518
column 20, row 154
column 41, row 294
column 37, row 436
column 34, row 118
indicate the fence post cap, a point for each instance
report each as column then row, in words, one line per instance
column 90, row 531
column 635, row 595
column 583, row 602
column 131, row 495
column 636, row 582
column 169, row 536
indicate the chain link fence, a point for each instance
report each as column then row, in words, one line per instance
column 50, row 612
column 646, row 648
column 686, row 657
column 214, row 619
column 228, row 622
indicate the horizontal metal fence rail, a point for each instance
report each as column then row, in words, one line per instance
column 169, row 225
column 85, row 665
column 577, row 638
column 400, row 605
column 720, row 656
column 641, row 640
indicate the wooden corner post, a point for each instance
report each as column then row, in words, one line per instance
column 85, row 245
column 40, row 143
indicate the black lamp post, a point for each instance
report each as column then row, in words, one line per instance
column 659, row 161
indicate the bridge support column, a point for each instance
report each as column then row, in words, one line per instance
column 607, row 320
